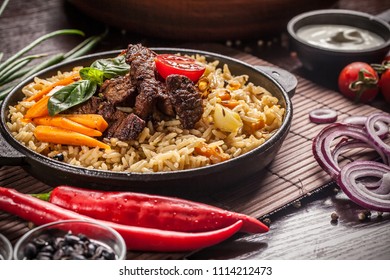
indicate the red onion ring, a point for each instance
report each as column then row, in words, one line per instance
column 358, row 120
column 323, row 115
column 322, row 146
column 381, row 128
column 358, row 132
column 375, row 199
column 370, row 128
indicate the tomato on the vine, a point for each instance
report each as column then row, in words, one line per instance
column 358, row 81
column 384, row 80
column 167, row 64
column 384, row 85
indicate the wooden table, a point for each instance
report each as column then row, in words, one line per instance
column 300, row 230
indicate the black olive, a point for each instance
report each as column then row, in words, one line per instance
column 83, row 237
column 30, row 251
column 108, row 255
column 58, row 254
column 59, row 157
column 70, row 246
column 40, row 241
column 76, row 256
column 44, row 256
column 71, row 239
column 47, row 248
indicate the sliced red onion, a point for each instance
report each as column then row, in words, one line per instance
column 322, row 145
column 323, row 115
column 358, row 120
column 345, row 145
column 381, row 128
column 370, row 128
column 377, row 199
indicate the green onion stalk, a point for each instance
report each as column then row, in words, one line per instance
column 16, row 67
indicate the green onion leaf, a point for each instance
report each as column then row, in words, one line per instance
column 2, row 7
column 5, row 92
column 86, row 46
column 16, row 65
column 49, row 62
column 38, row 41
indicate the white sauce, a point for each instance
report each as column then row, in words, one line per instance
column 339, row 37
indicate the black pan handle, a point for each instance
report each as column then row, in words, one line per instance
column 385, row 16
column 287, row 80
column 8, row 155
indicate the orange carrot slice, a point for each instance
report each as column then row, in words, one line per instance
column 39, row 109
column 65, row 81
column 230, row 103
column 213, row 153
column 62, row 122
column 94, row 121
column 56, row 135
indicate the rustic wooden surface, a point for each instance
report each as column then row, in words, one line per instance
column 200, row 20
column 300, row 231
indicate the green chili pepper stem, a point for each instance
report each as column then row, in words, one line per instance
column 42, row 196
column 38, row 41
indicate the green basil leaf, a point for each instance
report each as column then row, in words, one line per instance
column 112, row 67
column 92, row 74
column 70, row 96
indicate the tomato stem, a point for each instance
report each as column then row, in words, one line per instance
column 365, row 81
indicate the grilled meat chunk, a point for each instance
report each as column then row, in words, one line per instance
column 96, row 105
column 126, row 127
column 119, row 91
column 186, row 99
column 141, row 61
column 89, row 107
column 164, row 103
column 144, row 92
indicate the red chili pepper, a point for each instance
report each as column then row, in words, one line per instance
column 151, row 211
column 137, row 238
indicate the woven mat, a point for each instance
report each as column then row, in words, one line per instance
column 293, row 173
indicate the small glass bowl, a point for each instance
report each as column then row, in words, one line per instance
column 43, row 242
column 5, row 248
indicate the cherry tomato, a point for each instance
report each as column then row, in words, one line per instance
column 384, row 85
column 168, row 64
column 386, row 60
column 358, row 81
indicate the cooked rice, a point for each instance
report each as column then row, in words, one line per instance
column 167, row 146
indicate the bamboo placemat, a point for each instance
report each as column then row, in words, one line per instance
column 293, row 174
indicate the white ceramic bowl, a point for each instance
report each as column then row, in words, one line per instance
column 319, row 58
